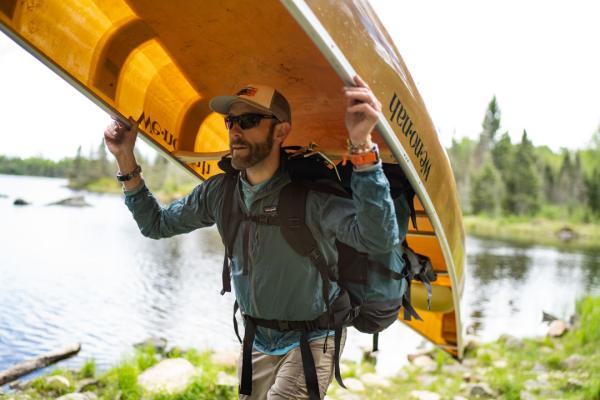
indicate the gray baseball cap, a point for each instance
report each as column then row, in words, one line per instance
column 260, row 96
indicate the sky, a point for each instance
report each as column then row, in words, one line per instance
column 539, row 58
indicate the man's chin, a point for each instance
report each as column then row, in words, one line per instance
column 239, row 163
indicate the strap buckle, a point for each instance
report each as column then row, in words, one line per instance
column 314, row 254
column 283, row 325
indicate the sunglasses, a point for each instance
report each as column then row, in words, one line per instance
column 246, row 121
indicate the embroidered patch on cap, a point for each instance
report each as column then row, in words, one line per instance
column 247, row 91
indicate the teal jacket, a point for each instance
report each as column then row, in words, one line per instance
column 275, row 282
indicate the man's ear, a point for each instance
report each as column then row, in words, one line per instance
column 282, row 130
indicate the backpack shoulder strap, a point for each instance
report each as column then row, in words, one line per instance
column 292, row 215
column 231, row 216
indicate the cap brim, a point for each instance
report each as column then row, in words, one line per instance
column 222, row 104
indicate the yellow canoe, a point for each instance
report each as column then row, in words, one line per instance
column 161, row 61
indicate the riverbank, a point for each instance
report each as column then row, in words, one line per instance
column 528, row 230
column 566, row 367
column 168, row 192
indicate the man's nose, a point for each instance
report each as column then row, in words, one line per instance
column 235, row 132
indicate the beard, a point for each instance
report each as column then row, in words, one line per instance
column 255, row 153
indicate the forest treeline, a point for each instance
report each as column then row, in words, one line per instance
column 499, row 178
column 96, row 171
column 495, row 176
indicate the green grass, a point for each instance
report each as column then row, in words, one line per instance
column 529, row 230
column 508, row 370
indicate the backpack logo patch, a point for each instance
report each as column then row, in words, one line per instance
column 271, row 210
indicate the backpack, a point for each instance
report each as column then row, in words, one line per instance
column 372, row 294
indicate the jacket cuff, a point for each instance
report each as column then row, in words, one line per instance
column 134, row 191
column 370, row 168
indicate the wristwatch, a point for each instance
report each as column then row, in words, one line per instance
column 369, row 157
column 126, row 177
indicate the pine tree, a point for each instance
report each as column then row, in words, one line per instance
column 490, row 125
column 523, row 181
column 592, row 184
column 461, row 155
column 502, row 154
column 487, row 190
column 491, row 121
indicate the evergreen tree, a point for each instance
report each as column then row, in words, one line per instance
column 523, row 181
column 502, row 154
column 490, row 125
column 461, row 159
column 592, row 184
column 487, row 190
column 491, row 121
column 563, row 188
column 103, row 165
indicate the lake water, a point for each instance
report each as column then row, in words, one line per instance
column 87, row 275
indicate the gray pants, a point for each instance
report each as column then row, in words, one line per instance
column 282, row 377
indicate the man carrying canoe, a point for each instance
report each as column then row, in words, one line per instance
column 279, row 291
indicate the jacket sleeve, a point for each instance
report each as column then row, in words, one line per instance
column 368, row 221
column 197, row 210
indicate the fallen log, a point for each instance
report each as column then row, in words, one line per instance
column 25, row 367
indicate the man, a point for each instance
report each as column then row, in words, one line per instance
column 271, row 281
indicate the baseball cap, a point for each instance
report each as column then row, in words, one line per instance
column 260, row 96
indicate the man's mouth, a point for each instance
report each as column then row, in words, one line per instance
column 239, row 147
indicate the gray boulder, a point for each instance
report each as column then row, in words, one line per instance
column 158, row 343
column 58, row 382
column 79, row 396
column 172, row 375
column 424, row 395
column 557, row 328
column 77, row 201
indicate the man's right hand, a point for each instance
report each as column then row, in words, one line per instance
column 119, row 140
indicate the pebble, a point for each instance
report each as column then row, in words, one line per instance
column 454, row 368
column 557, row 328
column 424, row 395
column 471, row 343
column 573, row 384
column 538, row 367
column 525, row 395
column 424, row 352
column 84, row 384
column 425, row 362
column 371, row 379
column 482, row 390
column 426, row 380
column 511, row 341
column 572, row 362
column 224, row 379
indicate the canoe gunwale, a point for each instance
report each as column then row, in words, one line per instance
column 313, row 27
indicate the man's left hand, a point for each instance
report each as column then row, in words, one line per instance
column 362, row 112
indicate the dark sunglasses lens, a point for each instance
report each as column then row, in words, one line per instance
column 248, row 121
column 245, row 121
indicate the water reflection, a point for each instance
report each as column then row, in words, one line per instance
column 510, row 284
column 94, row 279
